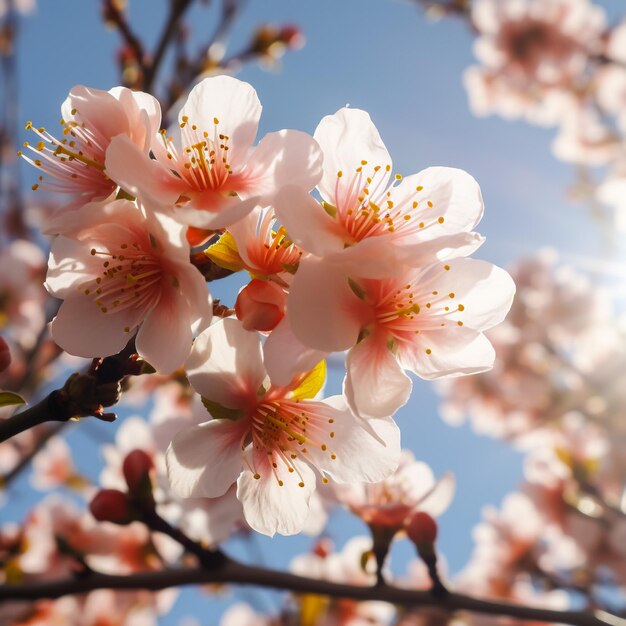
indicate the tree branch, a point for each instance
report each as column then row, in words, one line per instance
column 238, row 573
column 82, row 395
column 177, row 10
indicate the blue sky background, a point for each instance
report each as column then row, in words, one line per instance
column 385, row 57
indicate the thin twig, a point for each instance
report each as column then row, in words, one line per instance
column 177, row 10
column 238, row 573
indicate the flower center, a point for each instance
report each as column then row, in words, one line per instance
column 366, row 206
column 203, row 159
column 285, row 431
column 131, row 279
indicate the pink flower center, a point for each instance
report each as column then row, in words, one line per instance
column 131, row 279
column 274, row 253
column 203, row 160
column 284, row 431
column 76, row 161
column 404, row 310
column 366, row 208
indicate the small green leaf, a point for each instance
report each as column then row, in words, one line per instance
column 8, row 398
column 220, row 412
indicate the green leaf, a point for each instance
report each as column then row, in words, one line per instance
column 220, row 412
column 8, row 398
column 225, row 254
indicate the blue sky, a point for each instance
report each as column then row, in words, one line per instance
column 385, row 57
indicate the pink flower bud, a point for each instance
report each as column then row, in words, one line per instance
column 421, row 529
column 5, row 355
column 111, row 505
column 260, row 305
column 136, row 468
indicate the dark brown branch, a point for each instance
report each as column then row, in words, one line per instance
column 232, row 572
column 114, row 15
column 82, row 395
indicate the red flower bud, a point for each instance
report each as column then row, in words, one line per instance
column 291, row 36
column 5, row 355
column 421, row 529
column 136, row 468
column 260, row 305
column 111, row 505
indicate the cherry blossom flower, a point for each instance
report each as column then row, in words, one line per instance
column 206, row 163
column 53, row 467
column 270, row 439
column 22, row 296
column 368, row 225
column 130, row 272
column 90, row 120
column 428, row 321
column 389, row 503
column 259, row 245
column 533, row 53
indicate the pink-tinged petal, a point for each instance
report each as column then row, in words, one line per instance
column 285, row 355
column 323, row 311
column 227, row 211
column 354, row 450
column 69, row 266
column 226, row 365
column 307, row 223
column 440, row 496
column 144, row 114
column 204, row 461
column 375, row 385
column 269, row 506
column 81, row 329
column 421, row 253
column 445, row 192
column 193, row 286
column 98, row 109
column 286, row 157
column 484, row 290
column 235, row 106
column 213, row 520
column 88, row 218
column 452, row 352
column 139, row 175
column 375, row 257
column 347, row 138
column 164, row 338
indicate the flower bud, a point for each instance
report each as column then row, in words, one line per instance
column 136, row 468
column 5, row 355
column 260, row 305
column 421, row 529
column 111, row 505
column 292, row 36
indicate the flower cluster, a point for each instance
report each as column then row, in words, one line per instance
column 556, row 63
column 373, row 264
